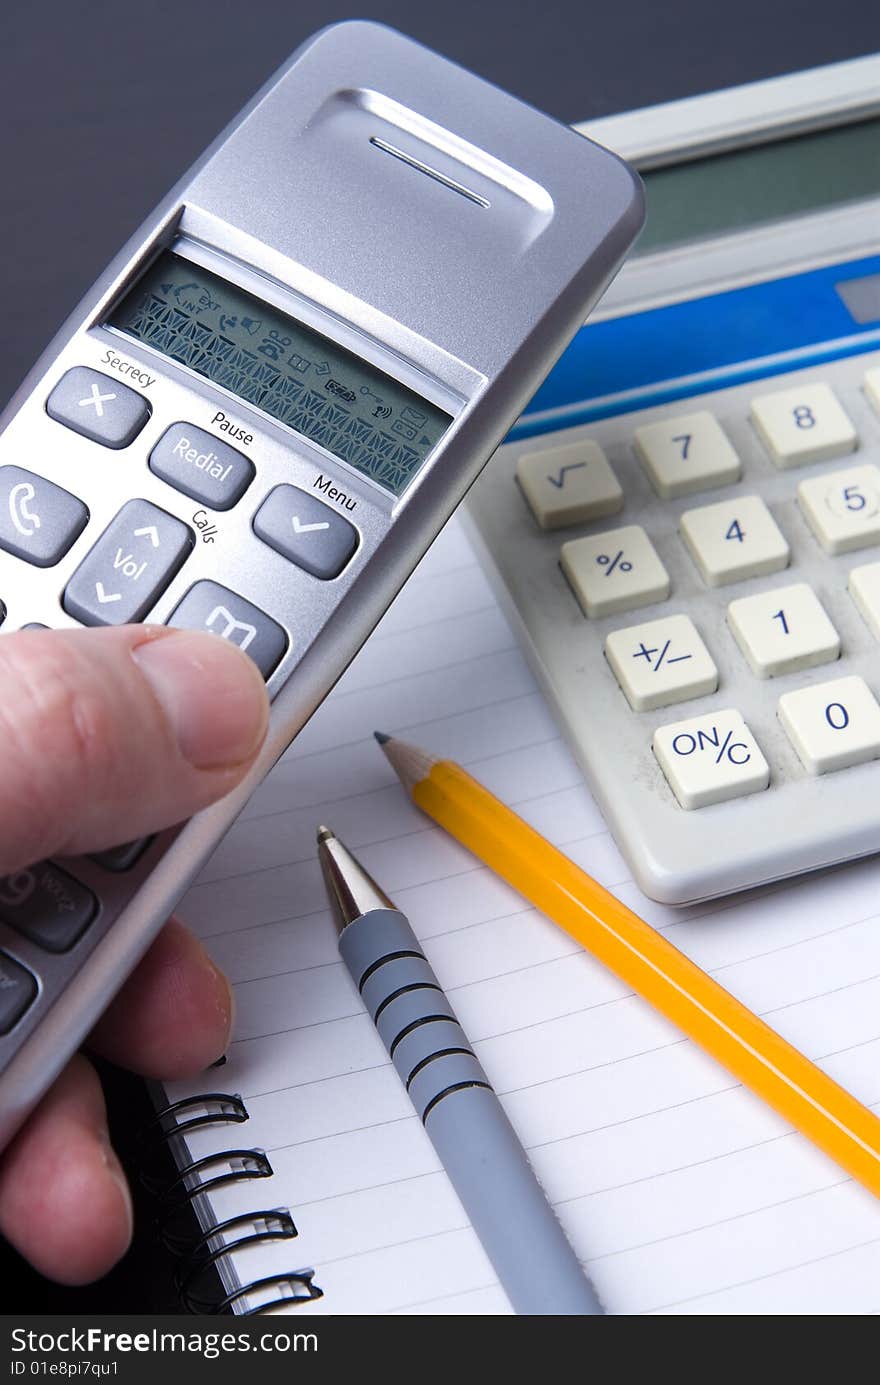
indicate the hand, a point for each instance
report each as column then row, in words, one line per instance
column 105, row 736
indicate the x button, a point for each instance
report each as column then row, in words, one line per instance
column 97, row 407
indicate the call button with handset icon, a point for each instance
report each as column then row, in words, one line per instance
column 38, row 520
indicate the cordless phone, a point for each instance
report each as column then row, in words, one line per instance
column 260, row 416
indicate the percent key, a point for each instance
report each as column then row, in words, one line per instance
column 619, row 570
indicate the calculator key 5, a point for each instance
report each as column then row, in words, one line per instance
column 733, row 540
column 208, row 606
column 570, row 484
column 832, row 726
column 687, row 454
column 843, row 509
column 784, row 630
column 803, row 424
column 711, row 758
column 129, row 567
column 47, row 905
column 661, row 662
column 38, row 520
column 98, row 407
column 618, row 570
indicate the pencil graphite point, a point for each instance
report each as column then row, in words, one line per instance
column 324, row 834
column 381, row 737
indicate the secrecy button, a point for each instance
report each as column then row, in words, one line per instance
column 201, row 466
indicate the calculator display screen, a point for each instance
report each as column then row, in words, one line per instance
column 760, row 183
column 291, row 372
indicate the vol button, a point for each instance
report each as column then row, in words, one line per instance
column 129, row 567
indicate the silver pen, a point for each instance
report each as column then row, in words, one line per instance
column 463, row 1117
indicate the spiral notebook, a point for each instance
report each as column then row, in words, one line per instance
column 680, row 1191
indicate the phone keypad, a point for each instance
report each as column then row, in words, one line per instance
column 129, row 567
column 98, row 407
column 38, row 520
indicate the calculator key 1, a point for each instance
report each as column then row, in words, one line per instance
column 129, row 567
column 711, row 758
column 47, row 905
column 661, row 662
column 784, row 630
column 570, row 484
column 306, row 531
column 832, row 726
column 18, row 991
column 201, row 466
column 843, row 508
column 733, row 540
column 618, row 570
column 208, row 606
column 38, row 520
column 803, row 424
column 99, row 408
column 864, row 588
column 687, row 454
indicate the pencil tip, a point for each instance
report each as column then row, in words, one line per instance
column 324, row 834
column 381, row 737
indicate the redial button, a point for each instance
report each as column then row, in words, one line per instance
column 201, row 466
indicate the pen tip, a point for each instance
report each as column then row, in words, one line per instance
column 381, row 737
column 324, row 834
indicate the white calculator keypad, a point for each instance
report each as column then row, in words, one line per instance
column 569, row 485
column 686, row 454
column 734, row 539
column 832, row 725
column 805, row 424
column 710, row 758
column 615, row 571
column 843, row 508
column 783, row 630
column 661, row 662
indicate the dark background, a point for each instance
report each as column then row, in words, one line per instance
column 103, row 105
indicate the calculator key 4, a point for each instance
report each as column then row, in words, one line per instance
column 687, row 454
column 661, row 662
column 569, row 484
column 129, row 567
column 733, row 540
column 832, row 726
column 804, row 424
column 38, row 520
column 843, row 509
column 711, row 758
column 616, row 571
column 784, row 630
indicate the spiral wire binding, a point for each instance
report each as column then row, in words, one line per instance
column 175, row 1198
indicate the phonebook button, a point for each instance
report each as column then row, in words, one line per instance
column 208, row 606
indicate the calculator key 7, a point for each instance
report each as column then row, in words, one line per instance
column 803, row 424
column 687, row 454
column 833, row 725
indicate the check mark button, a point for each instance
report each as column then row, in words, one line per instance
column 305, row 530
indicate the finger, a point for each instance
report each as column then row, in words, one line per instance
column 173, row 1016
column 64, row 1201
column 107, row 735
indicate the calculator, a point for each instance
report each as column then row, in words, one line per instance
column 684, row 525
column 260, row 416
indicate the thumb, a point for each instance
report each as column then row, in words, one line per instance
column 107, row 735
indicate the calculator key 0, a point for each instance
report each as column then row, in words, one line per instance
column 661, row 662
column 784, row 630
column 833, row 725
column 616, row 571
column 47, row 905
column 201, row 466
column 733, row 540
column 685, row 454
column 864, row 588
column 711, row 758
column 129, row 567
column 38, row 520
column 97, row 407
column 843, row 508
column 570, row 484
column 208, row 606
column 18, row 991
column 803, row 424
column 305, row 530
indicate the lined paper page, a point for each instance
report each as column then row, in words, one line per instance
column 681, row 1192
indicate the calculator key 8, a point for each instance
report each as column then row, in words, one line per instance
column 803, row 424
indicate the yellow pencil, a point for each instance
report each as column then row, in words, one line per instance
column 759, row 1057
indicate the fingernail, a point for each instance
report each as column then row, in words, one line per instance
column 117, row 1173
column 212, row 695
